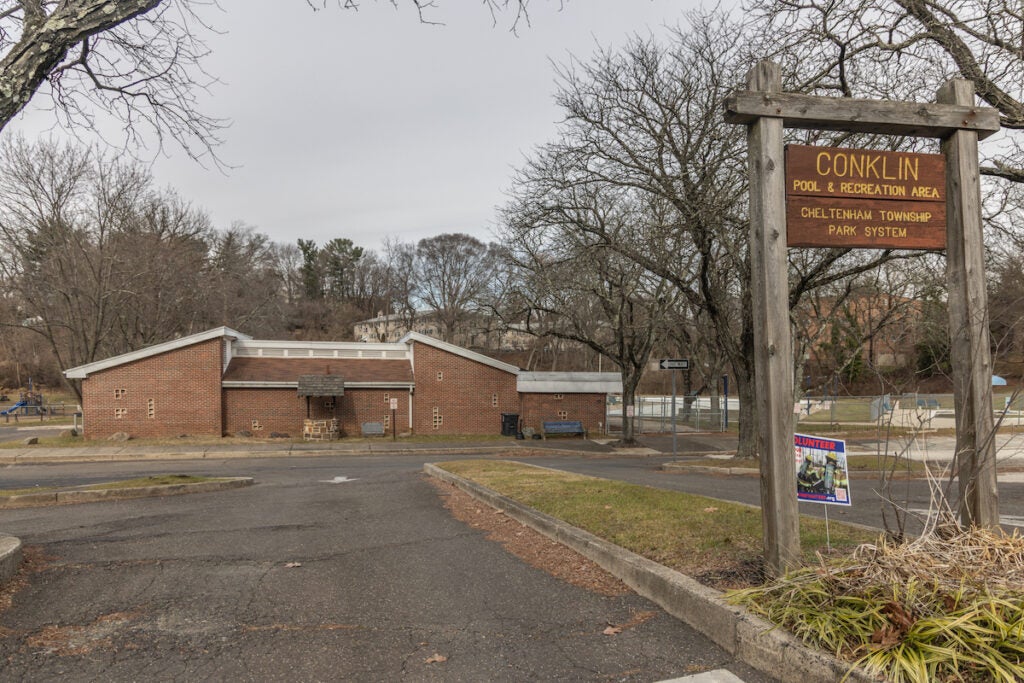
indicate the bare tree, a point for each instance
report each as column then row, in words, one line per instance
column 139, row 60
column 400, row 262
column 452, row 273
column 427, row 9
column 96, row 262
column 648, row 119
column 904, row 49
column 159, row 263
column 242, row 282
column 575, row 285
column 72, row 222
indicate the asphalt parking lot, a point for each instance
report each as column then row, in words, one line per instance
column 300, row 578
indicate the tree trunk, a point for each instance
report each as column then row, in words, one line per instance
column 744, row 373
column 630, row 380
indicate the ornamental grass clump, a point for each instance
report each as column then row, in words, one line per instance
column 944, row 607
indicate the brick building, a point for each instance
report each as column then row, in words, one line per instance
column 222, row 382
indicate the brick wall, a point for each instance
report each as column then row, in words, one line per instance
column 183, row 385
column 283, row 410
column 588, row 408
column 469, row 396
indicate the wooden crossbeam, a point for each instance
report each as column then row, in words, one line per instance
column 861, row 116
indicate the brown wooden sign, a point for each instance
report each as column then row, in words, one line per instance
column 838, row 197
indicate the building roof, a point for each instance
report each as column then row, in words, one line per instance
column 286, row 371
column 280, row 364
column 459, row 351
column 83, row 371
column 569, row 383
column 321, row 385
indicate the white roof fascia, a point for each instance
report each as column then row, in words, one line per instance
column 83, row 371
column 259, row 384
column 251, row 343
column 569, row 383
column 241, row 384
column 459, row 351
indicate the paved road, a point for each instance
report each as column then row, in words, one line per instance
column 198, row 587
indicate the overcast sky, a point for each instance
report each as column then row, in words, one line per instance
column 370, row 124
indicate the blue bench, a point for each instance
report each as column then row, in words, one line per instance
column 373, row 428
column 571, row 427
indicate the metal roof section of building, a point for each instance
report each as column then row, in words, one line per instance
column 83, row 371
column 569, row 383
column 459, row 351
column 321, row 385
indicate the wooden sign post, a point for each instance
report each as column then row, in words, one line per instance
column 876, row 200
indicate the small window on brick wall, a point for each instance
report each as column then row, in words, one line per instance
column 559, row 397
column 440, row 376
column 150, row 408
column 387, row 398
column 387, row 423
column 120, row 393
column 120, row 413
column 329, row 403
column 494, row 400
column 438, row 419
column 563, row 415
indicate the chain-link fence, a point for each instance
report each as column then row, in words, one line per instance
column 654, row 414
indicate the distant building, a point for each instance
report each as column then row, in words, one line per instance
column 880, row 329
column 223, row 382
column 479, row 331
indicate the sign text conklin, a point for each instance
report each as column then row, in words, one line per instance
column 839, row 197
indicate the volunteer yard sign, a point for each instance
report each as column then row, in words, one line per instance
column 822, row 475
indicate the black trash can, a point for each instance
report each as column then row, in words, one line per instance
column 509, row 424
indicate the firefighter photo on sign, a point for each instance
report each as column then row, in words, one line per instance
column 822, row 475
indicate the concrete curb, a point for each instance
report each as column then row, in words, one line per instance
column 215, row 453
column 748, row 638
column 10, row 557
column 83, row 496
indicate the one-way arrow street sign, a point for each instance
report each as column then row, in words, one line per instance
column 674, row 363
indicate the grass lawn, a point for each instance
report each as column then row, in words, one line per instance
column 695, row 535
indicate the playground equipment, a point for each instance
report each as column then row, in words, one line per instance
column 29, row 403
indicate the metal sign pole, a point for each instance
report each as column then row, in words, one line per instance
column 725, row 392
column 673, row 414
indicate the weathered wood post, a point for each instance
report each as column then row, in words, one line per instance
column 970, row 351
column 773, row 347
column 860, row 194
